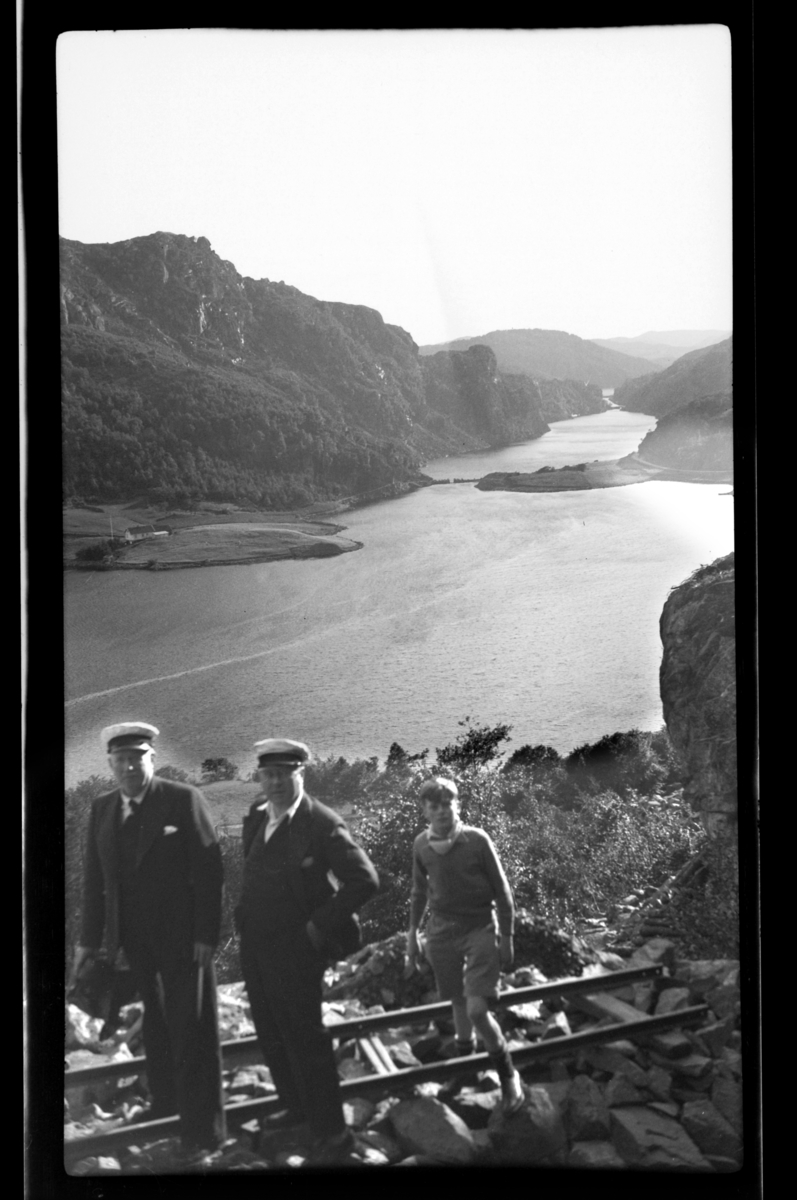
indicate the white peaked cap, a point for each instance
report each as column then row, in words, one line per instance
column 282, row 750
column 129, row 735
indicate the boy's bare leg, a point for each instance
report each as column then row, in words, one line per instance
column 463, row 1025
column 495, row 1043
column 478, row 1014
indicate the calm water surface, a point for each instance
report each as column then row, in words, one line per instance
column 539, row 610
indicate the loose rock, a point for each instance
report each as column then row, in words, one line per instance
column 429, row 1128
column 645, row 1138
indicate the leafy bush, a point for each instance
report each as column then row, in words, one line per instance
column 335, row 782
column 478, row 744
column 215, row 770
column 533, row 756
column 94, row 552
column 706, row 912
column 176, row 774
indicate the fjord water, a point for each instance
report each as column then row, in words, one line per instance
column 540, row 610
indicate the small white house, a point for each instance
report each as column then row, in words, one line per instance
column 137, row 533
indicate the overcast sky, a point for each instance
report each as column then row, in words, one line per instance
column 458, row 182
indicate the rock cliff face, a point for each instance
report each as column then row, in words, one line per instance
column 698, row 688
column 182, row 378
column 467, row 390
column 703, row 372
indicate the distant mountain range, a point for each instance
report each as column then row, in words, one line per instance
column 552, row 354
column 184, row 380
column 663, row 349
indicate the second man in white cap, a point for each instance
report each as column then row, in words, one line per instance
column 293, row 922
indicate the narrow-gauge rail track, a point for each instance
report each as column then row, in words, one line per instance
column 388, row 1078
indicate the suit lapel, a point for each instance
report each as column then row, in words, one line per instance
column 254, row 822
column 152, row 818
column 299, row 835
column 107, row 842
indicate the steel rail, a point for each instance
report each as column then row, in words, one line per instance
column 375, row 1086
column 399, row 1016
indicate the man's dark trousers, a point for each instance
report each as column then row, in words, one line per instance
column 153, row 885
column 283, row 975
column 183, row 1060
column 180, row 1016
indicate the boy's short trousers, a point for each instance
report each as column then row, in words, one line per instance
column 465, row 963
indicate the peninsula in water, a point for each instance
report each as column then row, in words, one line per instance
column 214, row 535
column 582, row 476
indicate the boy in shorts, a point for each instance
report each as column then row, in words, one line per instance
column 457, row 874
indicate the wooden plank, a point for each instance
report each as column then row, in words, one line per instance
column 605, row 1005
column 372, row 1055
column 383, row 1053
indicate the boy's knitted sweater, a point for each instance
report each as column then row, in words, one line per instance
column 464, row 883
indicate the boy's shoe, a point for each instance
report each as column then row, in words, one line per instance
column 512, row 1095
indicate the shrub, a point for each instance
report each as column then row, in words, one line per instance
column 706, row 912
column 533, row 756
column 175, row 774
column 336, row 782
column 216, row 769
column 477, row 745
column 94, row 552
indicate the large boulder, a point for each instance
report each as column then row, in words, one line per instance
column 586, row 1112
column 428, row 1128
column 709, row 1130
column 644, row 1137
column 698, row 689
column 534, row 1134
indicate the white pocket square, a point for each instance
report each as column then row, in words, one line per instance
column 170, row 829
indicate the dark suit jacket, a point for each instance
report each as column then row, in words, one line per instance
column 179, row 871
column 320, row 842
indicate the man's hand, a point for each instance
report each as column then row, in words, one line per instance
column 414, row 957
column 203, row 954
column 316, row 936
column 506, row 951
column 82, row 954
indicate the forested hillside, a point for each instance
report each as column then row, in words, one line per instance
column 698, row 436
column 704, row 372
column 184, row 380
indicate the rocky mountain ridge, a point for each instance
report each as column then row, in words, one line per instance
column 182, row 378
column 553, row 354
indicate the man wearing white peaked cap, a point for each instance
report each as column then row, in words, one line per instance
column 153, row 886
column 292, row 922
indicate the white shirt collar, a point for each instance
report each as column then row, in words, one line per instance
column 129, row 801
column 273, row 820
